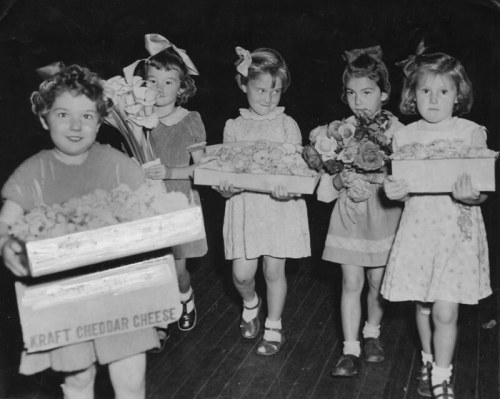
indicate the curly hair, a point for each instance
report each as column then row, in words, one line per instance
column 266, row 60
column 435, row 64
column 74, row 79
column 168, row 60
column 366, row 66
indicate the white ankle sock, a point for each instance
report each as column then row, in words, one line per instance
column 427, row 357
column 370, row 331
column 184, row 296
column 249, row 314
column 440, row 374
column 352, row 348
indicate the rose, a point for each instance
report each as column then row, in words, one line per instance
column 312, row 157
column 315, row 133
column 350, row 152
column 333, row 130
column 369, row 157
column 347, row 131
column 326, row 146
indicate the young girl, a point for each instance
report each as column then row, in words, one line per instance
column 440, row 254
column 360, row 243
column 274, row 225
column 170, row 70
column 71, row 106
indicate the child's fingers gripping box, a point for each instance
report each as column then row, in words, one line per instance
column 439, row 175
column 115, row 301
column 112, row 242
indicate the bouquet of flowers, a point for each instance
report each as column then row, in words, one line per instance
column 361, row 147
column 132, row 113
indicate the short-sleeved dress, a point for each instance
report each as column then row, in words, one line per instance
column 170, row 139
column 362, row 233
column 440, row 251
column 44, row 180
column 256, row 224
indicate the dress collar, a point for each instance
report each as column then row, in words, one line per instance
column 249, row 114
column 175, row 117
column 447, row 124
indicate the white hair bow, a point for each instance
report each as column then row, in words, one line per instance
column 155, row 43
column 244, row 61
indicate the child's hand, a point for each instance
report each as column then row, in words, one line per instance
column 281, row 193
column 463, row 191
column 14, row 256
column 396, row 189
column 344, row 179
column 157, row 172
column 226, row 189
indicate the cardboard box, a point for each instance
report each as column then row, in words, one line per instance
column 259, row 182
column 438, row 175
column 114, row 242
column 77, row 309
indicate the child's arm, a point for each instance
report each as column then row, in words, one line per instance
column 396, row 189
column 11, row 249
column 464, row 191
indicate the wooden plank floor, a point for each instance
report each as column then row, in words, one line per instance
column 214, row 361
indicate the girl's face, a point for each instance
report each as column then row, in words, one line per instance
column 262, row 97
column 436, row 96
column 168, row 84
column 73, row 122
column 364, row 97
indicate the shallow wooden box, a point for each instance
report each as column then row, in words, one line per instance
column 259, row 182
column 438, row 175
column 114, row 242
column 119, row 300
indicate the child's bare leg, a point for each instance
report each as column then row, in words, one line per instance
column 183, row 276
column 444, row 316
column 80, row 385
column 244, row 277
column 423, row 321
column 353, row 279
column 375, row 302
column 274, row 273
column 128, row 377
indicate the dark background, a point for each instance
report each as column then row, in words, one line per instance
column 106, row 35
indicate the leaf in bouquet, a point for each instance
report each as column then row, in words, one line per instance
column 333, row 166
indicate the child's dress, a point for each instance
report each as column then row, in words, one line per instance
column 256, row 224
column 440, row 251
column 362, row 233
column 44, row 180
column 170, row 139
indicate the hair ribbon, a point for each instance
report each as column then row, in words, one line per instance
column 374, row 52
column 154, row 44
column 410, row 63
column 244, row 61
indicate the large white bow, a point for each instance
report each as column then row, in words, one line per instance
column 155, row 43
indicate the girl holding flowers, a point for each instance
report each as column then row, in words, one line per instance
column 273, row 225
column 363, row 221
column 178, row 140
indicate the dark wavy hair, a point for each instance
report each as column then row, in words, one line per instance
column 168, row 60
column 436, row 64
column 74, row 79
column 366, row 66
column 266, row 60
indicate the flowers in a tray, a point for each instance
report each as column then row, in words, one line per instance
column 132, row 112
column 361, row 146
column 442, row 149
column 256, row 157
column 97, row 209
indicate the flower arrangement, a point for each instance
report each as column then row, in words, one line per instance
column 132, row 111
column 442, row 149
column 97, row 209
column 262, row 157
column 361, row 147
